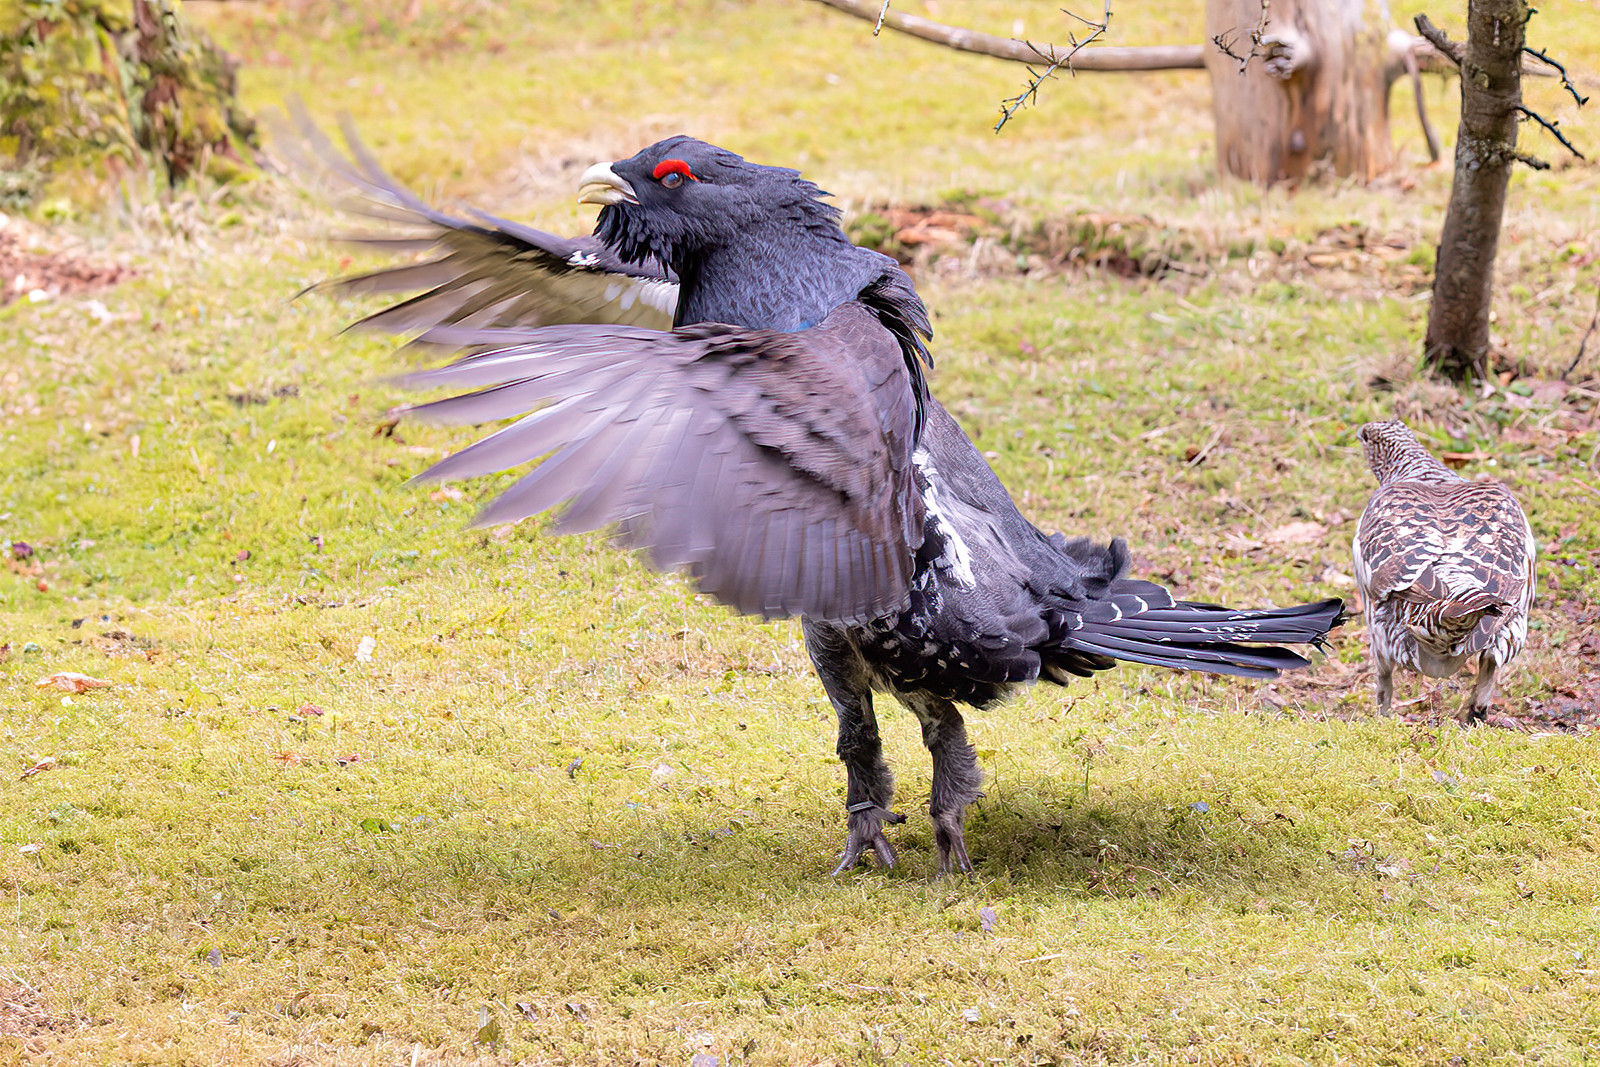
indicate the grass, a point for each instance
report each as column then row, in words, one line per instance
column 258, row 846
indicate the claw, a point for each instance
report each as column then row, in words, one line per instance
column 866, row 832
column 952, row 843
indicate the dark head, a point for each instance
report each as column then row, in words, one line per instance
column 1393, row 453
column 680, row 198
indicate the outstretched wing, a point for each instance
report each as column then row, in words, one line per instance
column 485, row 271
column 775, row 467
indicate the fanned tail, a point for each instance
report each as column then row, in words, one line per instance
column 1141, row 623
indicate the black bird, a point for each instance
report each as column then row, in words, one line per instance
column 720, row 372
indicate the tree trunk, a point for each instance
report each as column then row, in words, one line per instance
column 1314, row 89
column 1457, row 342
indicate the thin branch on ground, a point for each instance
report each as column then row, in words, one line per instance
column 883, row 11
column 1594, row 322
column 1011, row 105
column 1566, row 82
column 1553, row 127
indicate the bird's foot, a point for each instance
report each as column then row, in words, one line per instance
column 951, row 839
column 866, row 832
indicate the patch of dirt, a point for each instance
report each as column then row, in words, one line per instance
column 1135, row 246
column 24, row 1019
column 25, row 270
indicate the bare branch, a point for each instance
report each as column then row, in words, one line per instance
column 1594, row 321
column 1566, row 82
column 1103, row 58
column 1258, row 37
column 1456, row 53
column 1553, row 127
column 877, row 27
column 1428, row 132
column 1011, row 105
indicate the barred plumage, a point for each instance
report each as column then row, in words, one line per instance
column 1445, row 567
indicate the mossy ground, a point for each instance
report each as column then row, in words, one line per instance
column 568, row 812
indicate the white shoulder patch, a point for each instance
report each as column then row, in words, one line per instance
column 956, row 563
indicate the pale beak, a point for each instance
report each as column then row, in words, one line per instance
column 601, row 185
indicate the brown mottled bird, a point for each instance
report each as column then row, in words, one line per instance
column 1445, row 566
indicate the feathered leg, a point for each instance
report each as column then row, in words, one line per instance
column 869, row 788
column 956, row 776
column 1385, row 673
column 1484, row 688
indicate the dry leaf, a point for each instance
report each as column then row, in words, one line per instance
column 44, row 763
column 70, row 682
column 1297, row 533
column 364, row 649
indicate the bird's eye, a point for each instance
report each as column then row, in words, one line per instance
column 671, row 172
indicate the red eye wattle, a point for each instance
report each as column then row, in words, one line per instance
column 673, row 166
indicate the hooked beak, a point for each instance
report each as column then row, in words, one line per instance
column 601, row 185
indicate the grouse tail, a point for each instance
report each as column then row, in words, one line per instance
column 1140, row 622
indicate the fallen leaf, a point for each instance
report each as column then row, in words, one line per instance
column 1393, row 868
column 1297, row 533
column 986, row 919
column 345, row 761
column 527, row 1011
column 287, row 759
column 70, row 682
column 364, row 649
column 306, row 711
column 30, row 849
column 488, row 1029
column 44, row 763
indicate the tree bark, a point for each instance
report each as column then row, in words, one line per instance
column 1313, row 90
column 1457, row 342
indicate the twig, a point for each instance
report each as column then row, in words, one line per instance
column 1594, row 321
column 1224, row 43
column 1566, row 83
column 882, row 11
column 1011, row 105
column 1553, row 127
column 1456, row 53
column 1428, row 132
column 1200, row 456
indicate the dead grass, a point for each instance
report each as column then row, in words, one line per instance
column 370, row 788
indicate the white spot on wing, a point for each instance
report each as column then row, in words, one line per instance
column 956, row 561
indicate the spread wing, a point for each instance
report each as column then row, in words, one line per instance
column 775, row 467
column 483, row 271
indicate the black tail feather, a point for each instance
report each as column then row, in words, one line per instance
column 1200, row 637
